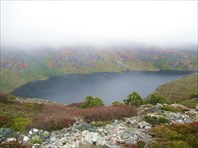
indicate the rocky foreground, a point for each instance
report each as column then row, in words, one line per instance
column 117, row 134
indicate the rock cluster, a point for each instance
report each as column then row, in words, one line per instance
column 114, row 135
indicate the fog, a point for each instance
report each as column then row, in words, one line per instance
column 59, row 23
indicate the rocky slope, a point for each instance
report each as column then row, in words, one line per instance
column 120, row 133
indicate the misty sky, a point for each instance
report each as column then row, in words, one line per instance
column 58, row 23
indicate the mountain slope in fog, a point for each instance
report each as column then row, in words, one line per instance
column 21, row 66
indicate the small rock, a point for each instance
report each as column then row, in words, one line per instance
column 37, row 145
column 100, row 130
column 30, row 132
column 159, row 105
column 59, row 143
column 52, row 139
column 95, row 138
column 35, row 130
column 196, row 107
column 10, row 139
column 144, row 125
column 25, row 139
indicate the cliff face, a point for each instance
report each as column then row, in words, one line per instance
column 21, row 66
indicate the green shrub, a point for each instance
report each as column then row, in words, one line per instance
column 194, row 96
column 171, row 108
column 156, row 120
column 134, row 99
column 190, row 103
column 18, row 115
column 91, row 102
column 117, row 103
column 20, row 124
column 36, row 139
column 154, row 99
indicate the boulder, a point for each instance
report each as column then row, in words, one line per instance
column 85, row 126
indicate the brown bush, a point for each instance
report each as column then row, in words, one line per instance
column 6, row 98
column 5, row 121
column 106, row 113
column 56, row 117
column 138, row 144
column 13, row 144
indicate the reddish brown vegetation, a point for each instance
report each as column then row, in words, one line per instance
column 139, row 144
column 13, row 144
column 106, row 113
column 57, row 117
column 5, row 120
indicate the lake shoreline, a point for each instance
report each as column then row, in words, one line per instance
column 110, row 86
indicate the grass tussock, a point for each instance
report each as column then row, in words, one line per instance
column 175, row 135
column 173, row 108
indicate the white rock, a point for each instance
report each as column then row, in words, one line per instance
column 35, row 130
column 37, row 145
column 30, row 132
column 95, row 137
column 84, row 133
column 10, row 139
column 100, row 130
column 89, row 137
column 77, row 144
column 59, row 143
column 25, row 139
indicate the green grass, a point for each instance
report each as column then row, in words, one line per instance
column 36, row 139
column 17, row 115
column 180, row 90
column 172, row 108
column 175, row 135
column 190, row 103
column 156, row 120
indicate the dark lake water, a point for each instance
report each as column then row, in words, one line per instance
column 108, row 86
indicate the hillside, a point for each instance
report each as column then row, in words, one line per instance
column 21, row 66
column 40, row 123
column 180, row 90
